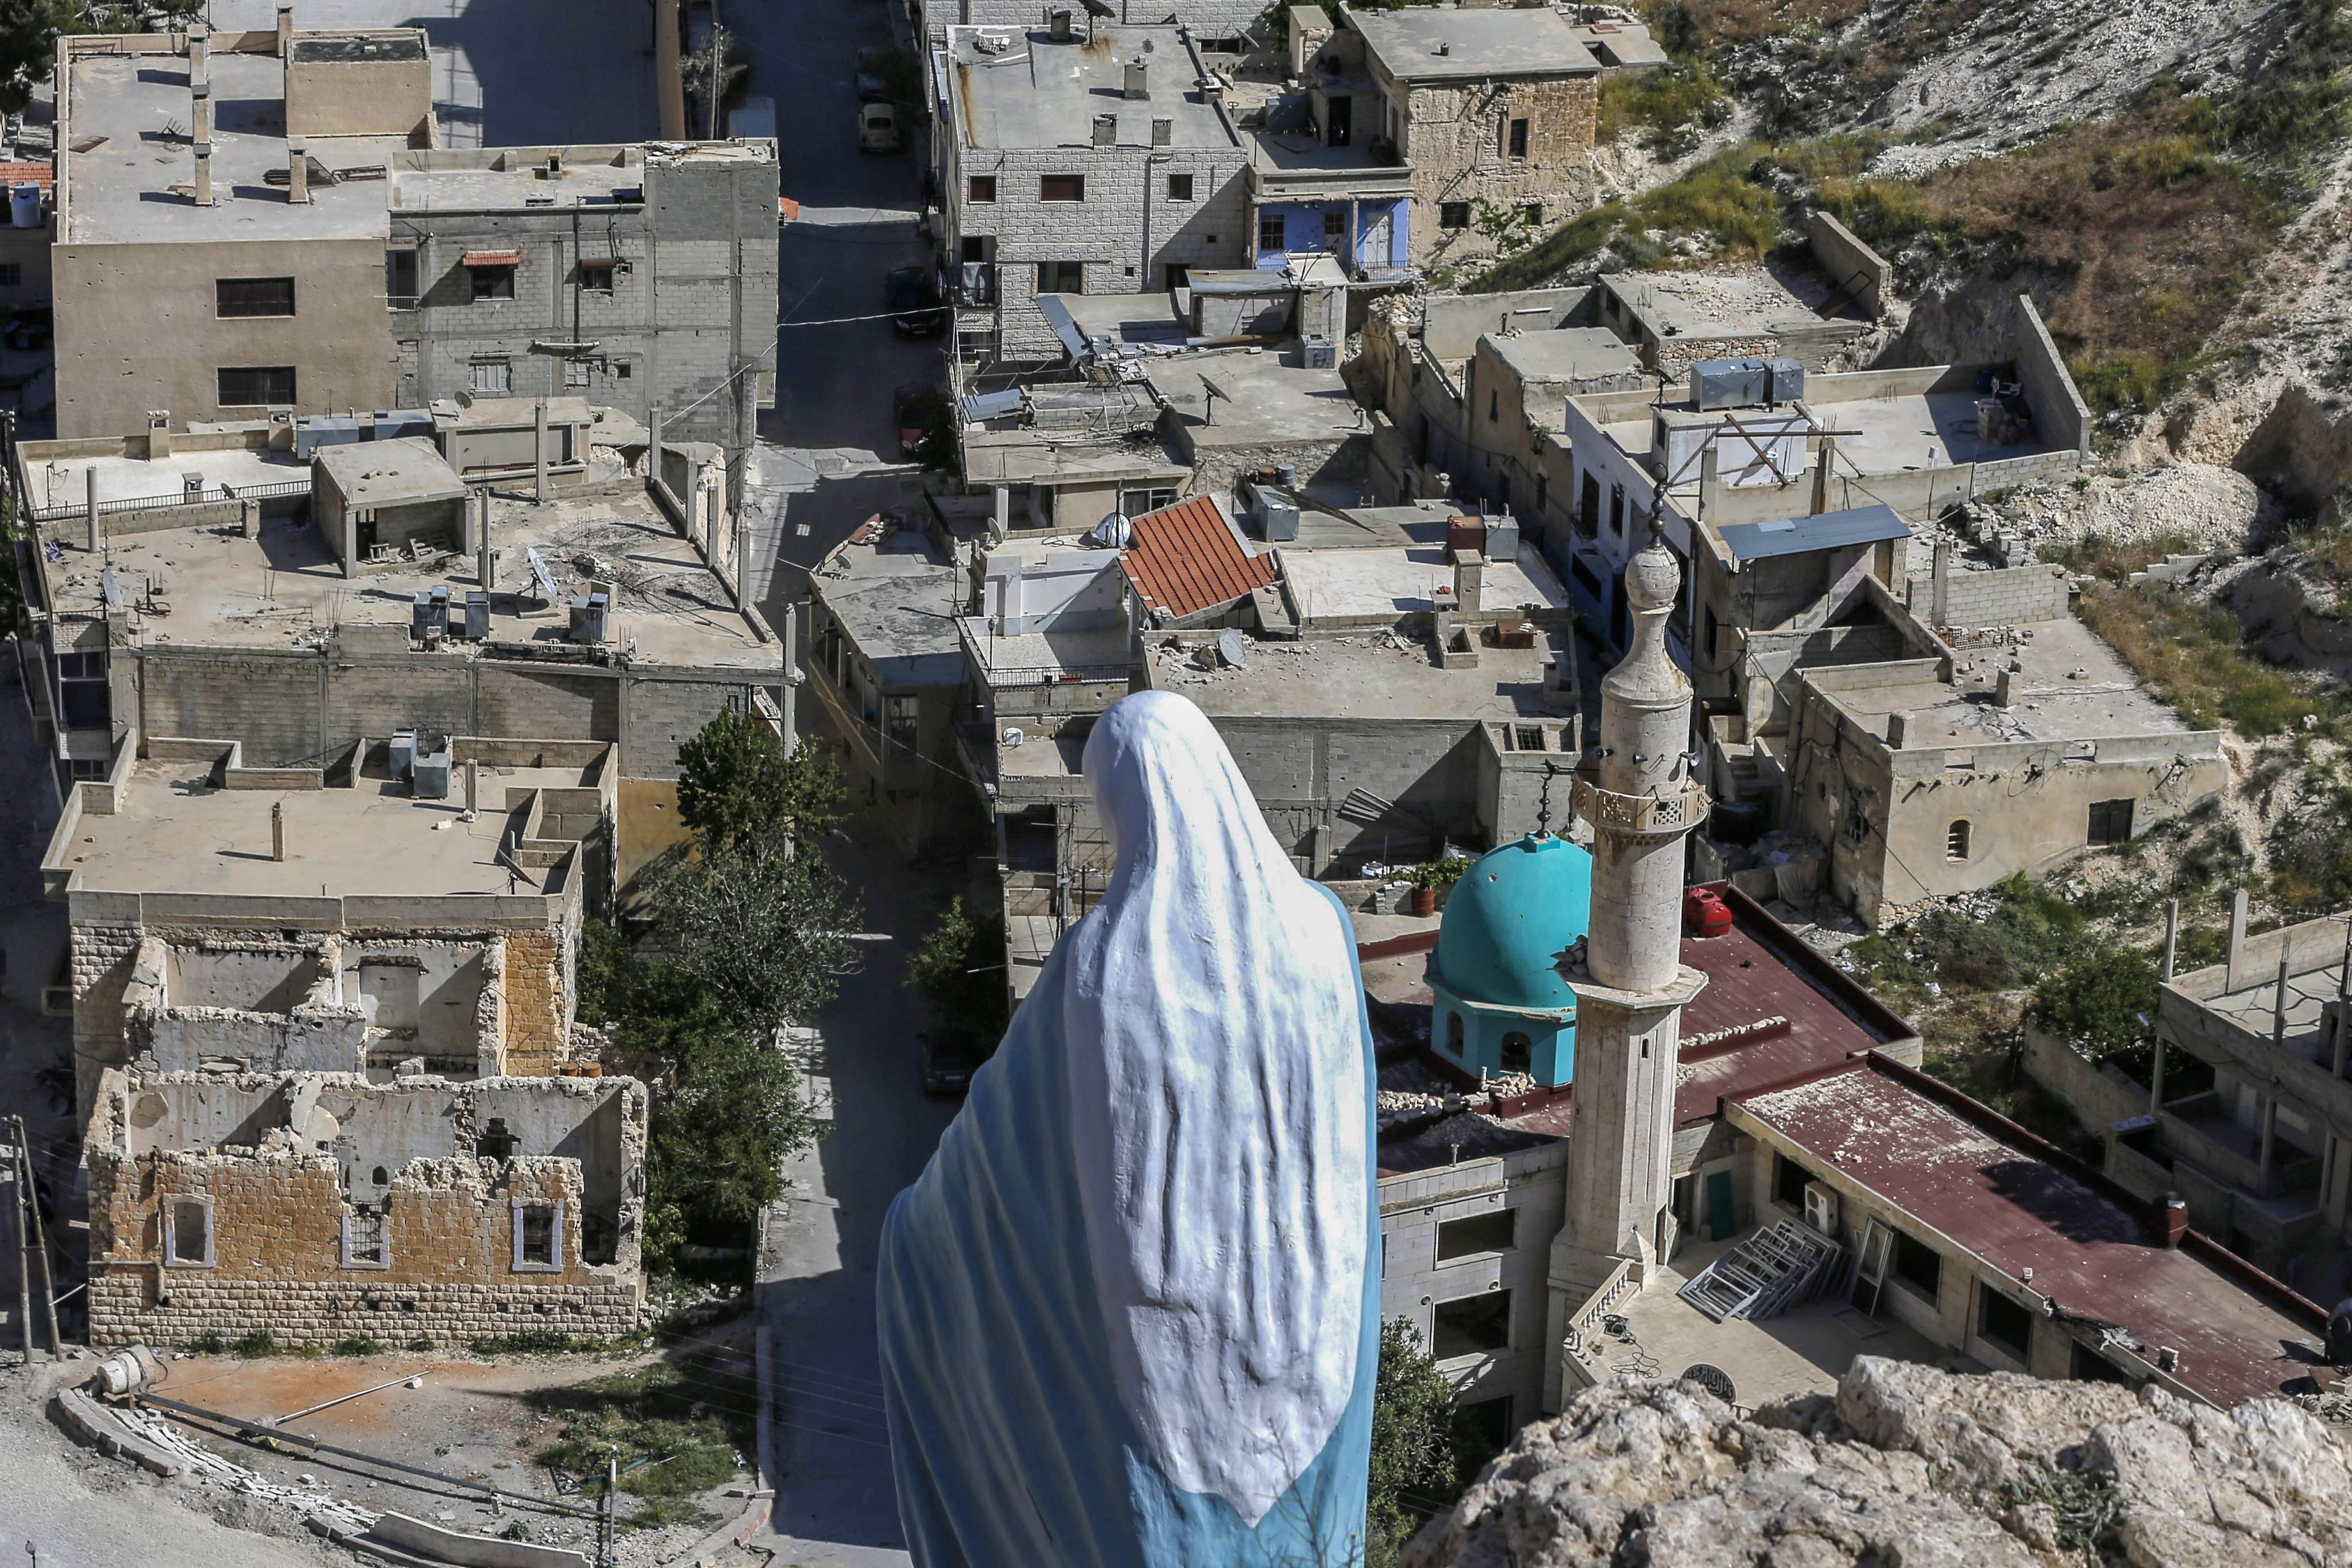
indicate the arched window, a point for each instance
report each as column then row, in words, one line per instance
column 1454, row 1033
column 1519, row 1052
column 1956, row 839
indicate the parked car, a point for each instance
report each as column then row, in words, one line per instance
column 914, row 406
column 877, row 128
column 950, row 1059
column 916, row 309
column 871, row 86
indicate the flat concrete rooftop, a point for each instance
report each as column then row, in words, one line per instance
column 1263, row 399
column 1566, row 354
column 2107, row 702
column 177, row 832
column 64, row 481
column 1723, row 301
column 386, row 473
column 1353, row 678
column 1356, row 584
column 1038, row 93
column 286, row 588
column 1878, row 435
column 1476, row 43
column 899, row 601
column 121, row 110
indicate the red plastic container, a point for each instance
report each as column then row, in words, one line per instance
column 1704, row 913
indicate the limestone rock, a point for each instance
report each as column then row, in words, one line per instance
column 1910, row 1468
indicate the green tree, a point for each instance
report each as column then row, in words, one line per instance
column 727, row 1112
column 606, row 973
column 29, row 30
column 960, row 969
column 2104, row 1003
column 1412, row 1463
column 763, row 927
column 735, row 779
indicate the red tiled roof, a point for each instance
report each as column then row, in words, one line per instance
column 1957, row 1169
column 18, row 173
column 1185, row 560
column 491, row 259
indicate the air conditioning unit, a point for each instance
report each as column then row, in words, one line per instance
column 1821, row 1208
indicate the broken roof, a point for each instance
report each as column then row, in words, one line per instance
column 1959, row 1170
column 1186, row 558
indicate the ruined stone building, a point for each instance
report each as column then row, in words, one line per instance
column 295, row 242
column 323, row 1038
column 298, row 587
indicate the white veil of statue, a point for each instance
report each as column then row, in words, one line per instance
column 1225, row 1208
column 1129, row 1315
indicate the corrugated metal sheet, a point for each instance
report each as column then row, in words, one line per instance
column 1185, row 560
column 1827, row 530
column 1066, row 326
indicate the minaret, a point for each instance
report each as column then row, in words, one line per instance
column 1632, row 987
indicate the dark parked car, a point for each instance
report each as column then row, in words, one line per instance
column 950, row 1059
column 914, row 405
column 916, row 309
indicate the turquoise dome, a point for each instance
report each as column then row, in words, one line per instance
column 1509, row 920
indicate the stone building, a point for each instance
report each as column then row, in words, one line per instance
column 1077, row 163
column 302, row 247
column 1492, row 109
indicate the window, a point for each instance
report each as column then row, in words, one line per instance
column 2111, row 821
column 1472, row 1325
column 493, row 375
column 1335, row 231
column 255, row 387
column 497, row 1144
column 1790, row 1180
column 1270, row 237
column 901, row 721
column 1586, row 577
column 2088, row 1365
column 1454, row 1033
column 492, row 282
column 1478, row 1234
column 1061, row 187
column 1179, row 187
column 1543, row 491
column 253, row 296
column 1714, row 634
column 1588, row 506
column 1617, row 509
column 1175, row 275
column 981, row 188
column 82, row 692
column 1857, row 823
column 364, row 1241
column 1532, row 211
column 1956, row 840
column 12, row 274
column 596, row 276
column 1494, row 405
column 1519, row 1052
column 190, row 1243
column 1530, row 737
column 538, row 1236
column 1454, row 215
column 576, row 372
column 400, row 278
column 81, row 768
column 1061, row 278
column 2004, row 1324
column 1518, row 137
column 1135, row 503
column 1481, row 1430
column 1919, row 1265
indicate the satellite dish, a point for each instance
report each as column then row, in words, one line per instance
column 1115, row 531
column 1229, row 648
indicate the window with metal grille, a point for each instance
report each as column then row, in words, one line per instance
column 1857, row 823
column 1477, row 1235
column 1530, row 738
column 1061, row 187
column 363, row 1242
column 981, row 188
column 1956, row 840
column 253, row 296
column 1271, row 238
column 1472, row 1325
column 254, row 386
column 535, row 1235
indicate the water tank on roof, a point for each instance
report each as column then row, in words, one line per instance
column 431, row 780
column 25, row 205
column 1787, row 379
column 1729, row 383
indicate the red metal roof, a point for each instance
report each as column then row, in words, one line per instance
column 1185, row 558
column 1954, row 1168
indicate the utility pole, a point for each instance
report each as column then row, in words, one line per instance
column 40, row 1251
column 604, row 1526
column 24, row 1258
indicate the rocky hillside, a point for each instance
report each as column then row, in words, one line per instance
column 1907, row 1467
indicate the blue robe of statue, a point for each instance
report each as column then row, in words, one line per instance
column 1017, row 1418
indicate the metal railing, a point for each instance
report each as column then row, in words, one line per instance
column 66, row 511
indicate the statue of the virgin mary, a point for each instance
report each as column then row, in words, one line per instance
column 1130, row 1313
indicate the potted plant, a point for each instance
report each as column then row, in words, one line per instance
column 1428, row 878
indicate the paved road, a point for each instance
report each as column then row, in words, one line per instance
column 835, row 1503
column 829, row 456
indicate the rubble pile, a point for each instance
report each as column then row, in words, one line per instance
column 1911, row 1465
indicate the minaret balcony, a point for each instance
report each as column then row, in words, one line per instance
column 1675, row 809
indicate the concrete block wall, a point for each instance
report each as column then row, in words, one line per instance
column 1107, row 230
column 2009, row 597
column 2061, row 418
column 1852, row 265
column 278, row 1246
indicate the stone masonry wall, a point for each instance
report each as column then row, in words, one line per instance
column 102, row 955
column 537, row 1019
column 277, row 1254
column 1456, row 141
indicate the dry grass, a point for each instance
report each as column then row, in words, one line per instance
column 2189, row 654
